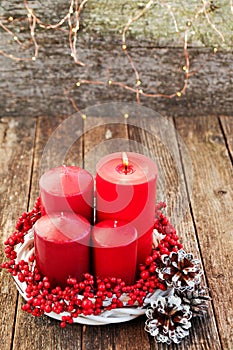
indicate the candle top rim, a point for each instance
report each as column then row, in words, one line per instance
column 106, row 235
column 51, row 182
column 144, row 168
column 64, row 227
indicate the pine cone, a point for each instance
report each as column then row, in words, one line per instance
column 181, row 271
column 197, row 299
column 168, row 319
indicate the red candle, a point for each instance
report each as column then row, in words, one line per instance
column 126, row 190
column 67, row 188
column 115, row 250
column 62, row 246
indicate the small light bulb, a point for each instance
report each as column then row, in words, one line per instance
column 124, row 47
column 33, row 58
column 78, row 83
column 10, row 19
column 138, row 82
column 110, row 82
column 126, row 115
column 140, row 91
column 84, row 116
column 15, row 38
column 215, row 50
column 179, row 94
column 189, row 23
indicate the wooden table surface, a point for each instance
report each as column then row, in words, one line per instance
column 205, row 226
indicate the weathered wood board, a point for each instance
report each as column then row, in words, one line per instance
column 211, row 203
column 33, row 88
column 203, row 228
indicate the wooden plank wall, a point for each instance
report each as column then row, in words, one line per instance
column 34, row 88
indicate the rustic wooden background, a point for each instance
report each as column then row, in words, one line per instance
column 33, row 104
column 37, row 88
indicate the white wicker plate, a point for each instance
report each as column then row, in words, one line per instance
column 25, row 250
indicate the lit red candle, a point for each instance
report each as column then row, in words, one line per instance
column 115, row 250
column 126, row 190
column 67, row 188
column 62, row 246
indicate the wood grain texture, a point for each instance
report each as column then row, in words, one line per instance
column 45, row 333
column 161, row 144
column 103, row 136
column 205, row 230
column 227, row 126
column 108, row 19
column 38, row 87
column 57, row 143
column 16, row 141
column 211, row 203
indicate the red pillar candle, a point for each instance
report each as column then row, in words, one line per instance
column 115, row 250
column 126, row 190
column 67, row 188
column 62, row 246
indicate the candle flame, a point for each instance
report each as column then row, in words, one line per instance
column 125, row 167
column 125, row 160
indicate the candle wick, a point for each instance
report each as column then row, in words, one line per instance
column 125, row 162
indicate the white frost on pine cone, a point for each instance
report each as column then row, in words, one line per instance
column 168, row 319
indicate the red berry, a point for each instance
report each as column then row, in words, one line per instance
column 31, row 258
column 47, row 308
column 142, row 267
column 101, row 287
column 81, row 285
column 149, row 260
column 86, row 303
column 145, row 274
column 21, row 277
column 37, row 277
column 46, row 285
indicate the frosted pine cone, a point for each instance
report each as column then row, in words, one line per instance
column 168, row 319
column 197, row 299
column 181, row 271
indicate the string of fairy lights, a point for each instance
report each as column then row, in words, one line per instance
column 72, row 19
